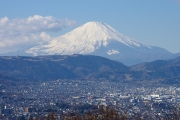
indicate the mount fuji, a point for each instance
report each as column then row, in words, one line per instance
column 100, row 39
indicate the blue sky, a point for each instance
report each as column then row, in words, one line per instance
column 152, row 22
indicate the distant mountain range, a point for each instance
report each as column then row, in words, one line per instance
column 100, row 39
column 87, row 67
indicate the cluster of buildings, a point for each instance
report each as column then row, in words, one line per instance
column 66, row 96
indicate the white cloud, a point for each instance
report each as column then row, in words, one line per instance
column 3, row 21
column 16, row 42
column 45, row 36
column 24, row 32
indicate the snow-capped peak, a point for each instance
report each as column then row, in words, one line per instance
column 98, row 31
column 84, row 40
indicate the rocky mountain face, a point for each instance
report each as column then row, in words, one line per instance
column 87, row 67
column 100, row 39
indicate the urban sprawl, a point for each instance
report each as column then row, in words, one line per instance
column 80, row 96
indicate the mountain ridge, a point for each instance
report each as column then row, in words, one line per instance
column 87, row 67
column 54, row 67
column 100, row 39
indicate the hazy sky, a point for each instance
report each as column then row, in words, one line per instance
column 24, row 23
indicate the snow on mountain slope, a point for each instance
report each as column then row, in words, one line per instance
column 97, row 38
column 83, row 40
